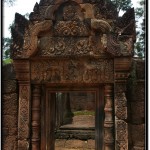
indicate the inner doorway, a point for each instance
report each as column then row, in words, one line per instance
column 74, row 119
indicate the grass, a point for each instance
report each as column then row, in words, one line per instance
column 85, row 112
column 7, row 61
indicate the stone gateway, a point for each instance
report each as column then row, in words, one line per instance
column 72, row 60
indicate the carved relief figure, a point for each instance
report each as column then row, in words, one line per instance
column 91, row 71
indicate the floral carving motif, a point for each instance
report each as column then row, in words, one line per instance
column 121, row 105
column 23, row 127
column 122, row 131
column 71, row 28
column 54, row 46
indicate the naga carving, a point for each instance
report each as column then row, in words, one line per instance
column 119, row 45
column 30, row 40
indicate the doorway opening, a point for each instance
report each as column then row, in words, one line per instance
column 72, row 120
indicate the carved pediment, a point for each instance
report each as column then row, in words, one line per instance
column 72, row 28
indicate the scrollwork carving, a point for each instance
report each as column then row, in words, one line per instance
column 65, row 46
column 122, row 131
column 71, row 28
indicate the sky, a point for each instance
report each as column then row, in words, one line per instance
column 23, row 7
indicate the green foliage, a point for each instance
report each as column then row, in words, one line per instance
column 7, row 61
column 77, row 113
column 6, row 42
column 122, row 4
column 140, row 43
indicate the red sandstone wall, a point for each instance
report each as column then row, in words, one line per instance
column 82, row 102
column 136, row 106
column 9, row 109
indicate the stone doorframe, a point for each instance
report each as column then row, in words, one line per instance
column 99, row 112
column 115, row 108
column 94, row 40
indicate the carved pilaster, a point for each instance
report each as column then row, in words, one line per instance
column 121, row 135
column 108, row 122
column 121, row 116
column 36, row 118
column 22, row 74
column 122, row 67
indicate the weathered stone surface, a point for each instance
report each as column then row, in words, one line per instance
column 9, row 108
column 120, row 87
column 138, row 148
column 72, row 71
column 74, row 144
column 60, row 143
column 13, row 131
column 9, row 131
column 9, row 143
column 8, row 72
column 5, row 131
column 121, row 105
column 138, row 135
column 91, row 144
column 137, row 112
column 139, row 94
column 9, row 86
column 140, row 69
column 121, row 135
column 10, row 104
column 23, row 144
column 9, row 121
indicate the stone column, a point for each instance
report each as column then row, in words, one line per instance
column 23, row 77
column 35, row 141
column 108, row 121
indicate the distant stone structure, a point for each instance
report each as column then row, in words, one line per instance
column 74, row 45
